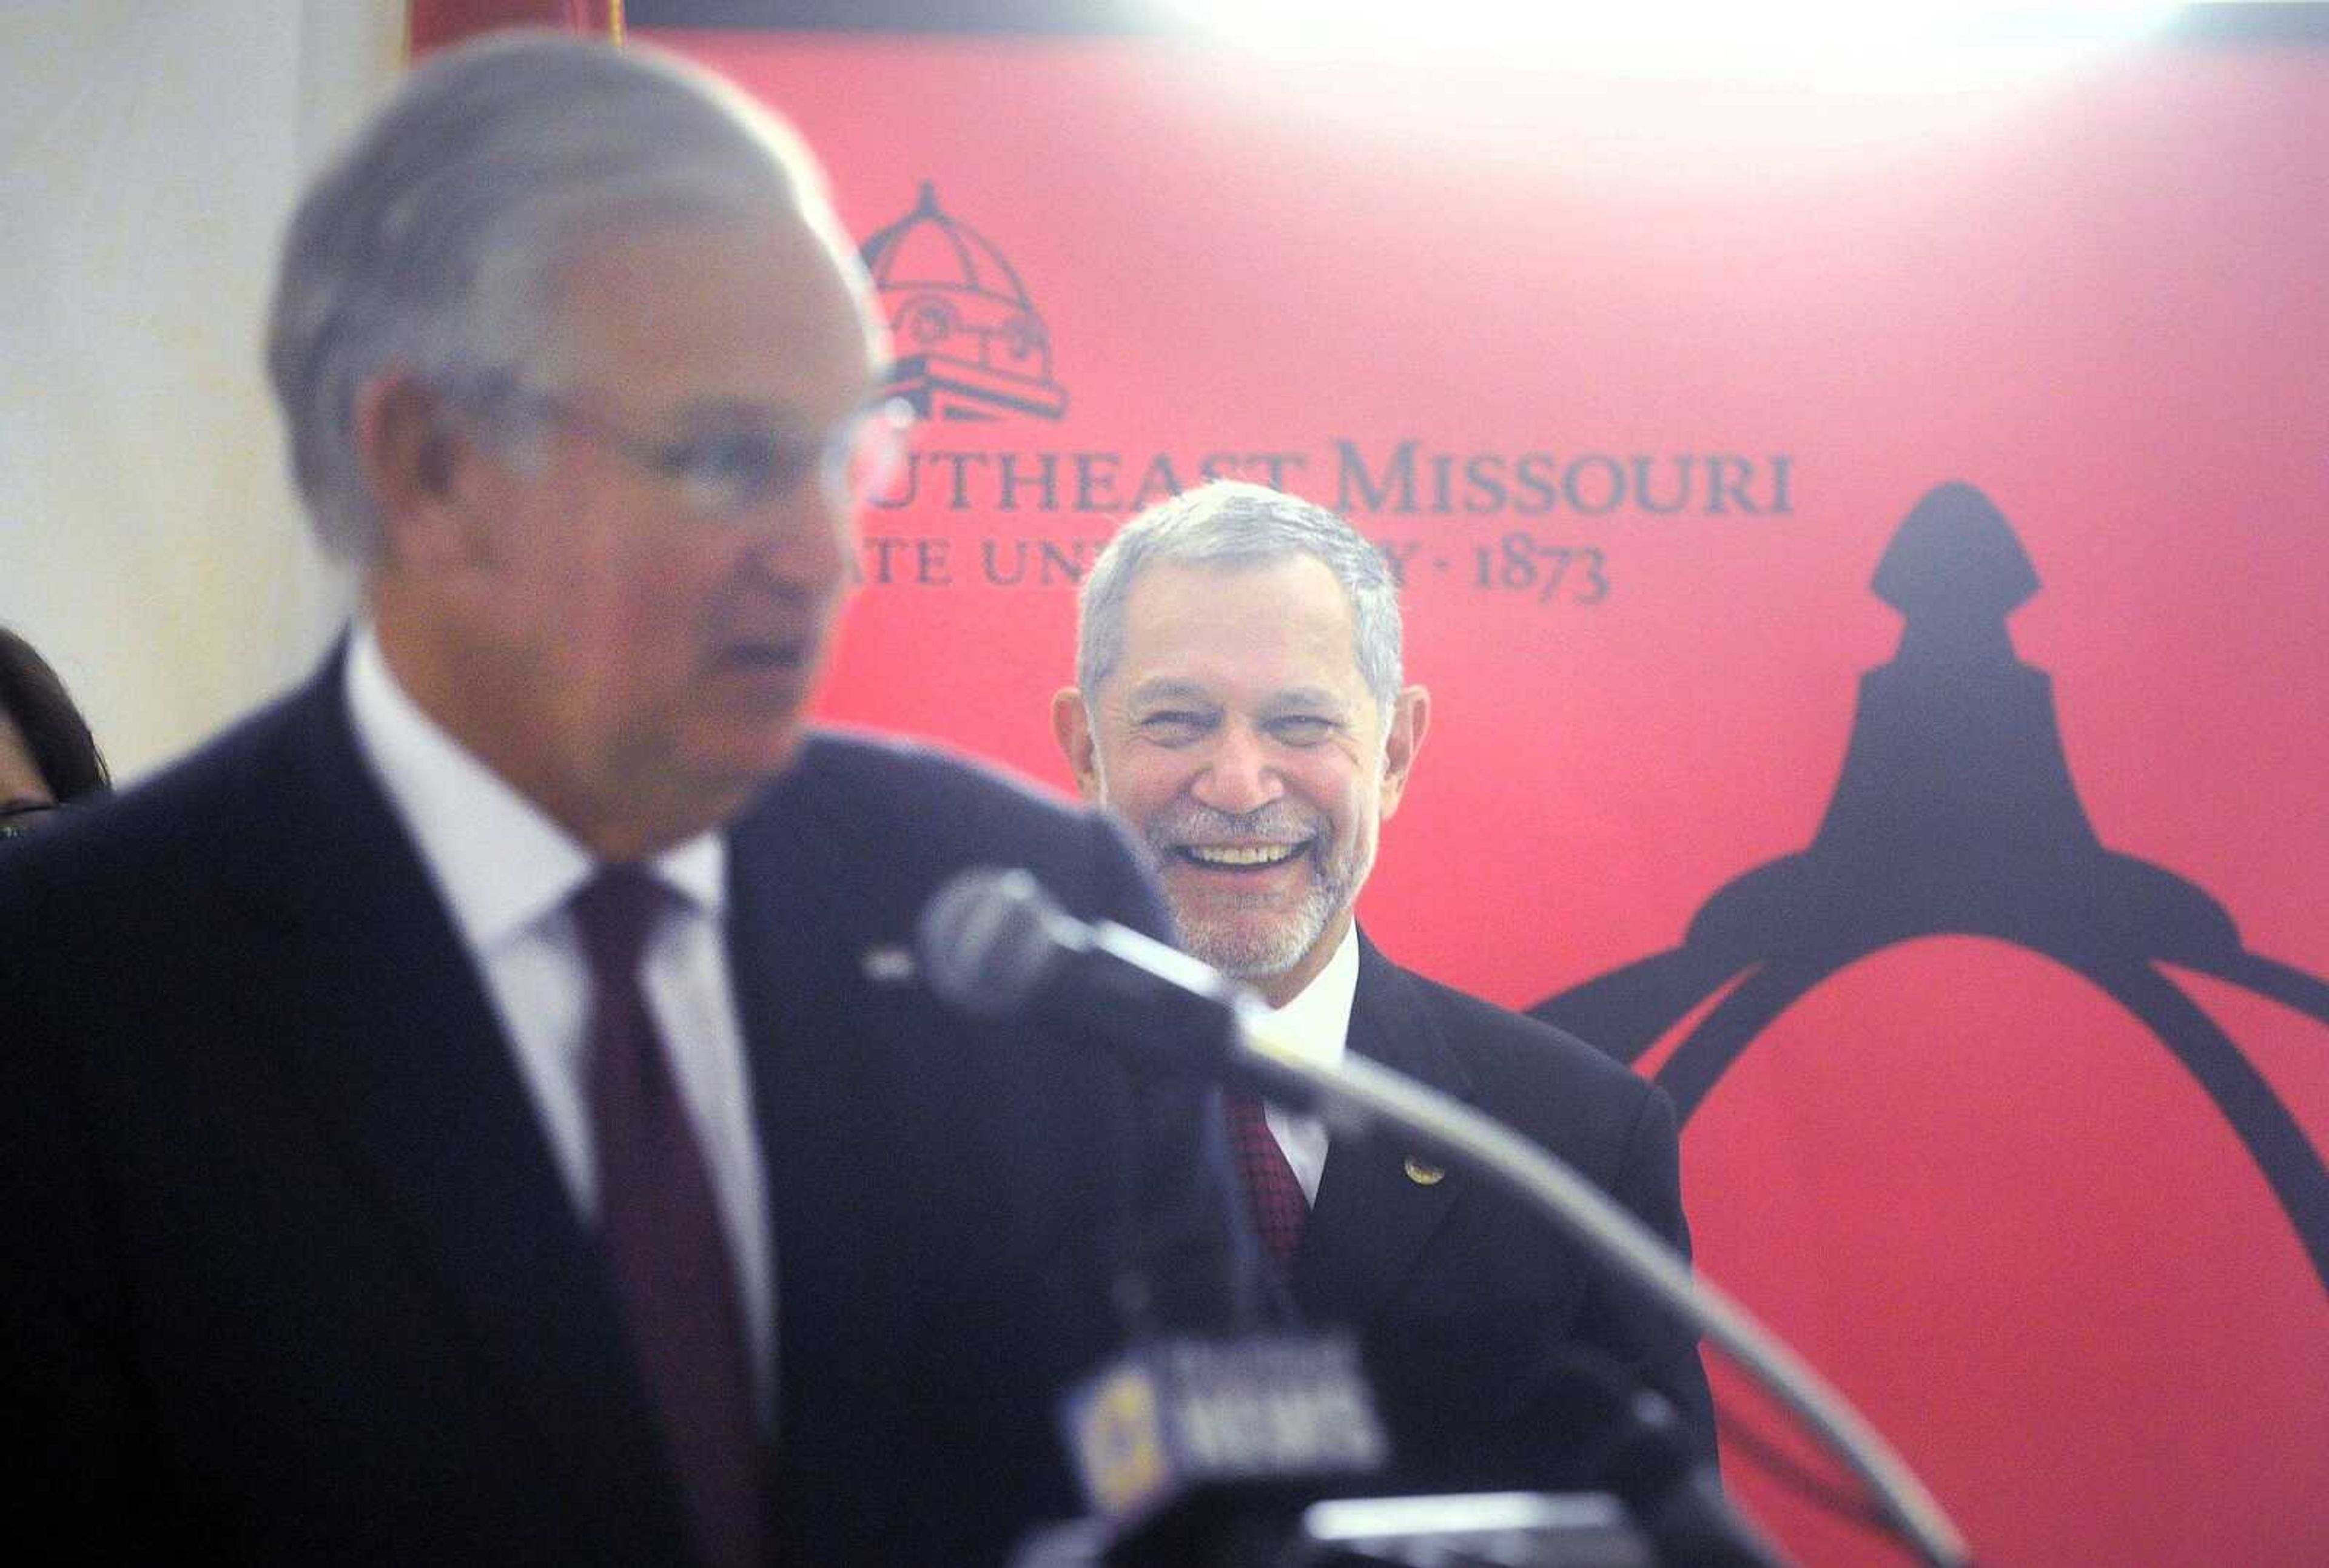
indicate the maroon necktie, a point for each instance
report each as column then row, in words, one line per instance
column 1272, row 1188
column 661, row 1228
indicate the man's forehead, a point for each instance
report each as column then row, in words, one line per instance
column 1239, row 609
column 745, row 320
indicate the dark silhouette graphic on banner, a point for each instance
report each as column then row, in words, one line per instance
column 970, row 344
column 1956, row 815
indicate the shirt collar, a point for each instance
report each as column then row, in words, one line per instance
column 500, row 862
column 1318, row 1022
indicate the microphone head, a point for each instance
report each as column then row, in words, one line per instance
column 988, row 940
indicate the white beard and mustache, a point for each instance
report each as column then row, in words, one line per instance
column 1254, row 938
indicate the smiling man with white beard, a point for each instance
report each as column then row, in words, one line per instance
column 1239, row 704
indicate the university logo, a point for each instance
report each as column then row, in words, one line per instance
column 1956, row 814
column 972, row 349
column 970, row 342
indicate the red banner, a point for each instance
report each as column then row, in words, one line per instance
column 1866, row 550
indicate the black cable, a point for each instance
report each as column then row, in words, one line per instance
column 1824, row 1492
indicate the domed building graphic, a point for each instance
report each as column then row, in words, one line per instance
column 1956, row 813
column 970, row 344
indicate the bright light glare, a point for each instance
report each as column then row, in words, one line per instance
column 1872, row 43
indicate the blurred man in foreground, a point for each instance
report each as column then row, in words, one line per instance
column 1239, row 704
column 452, row 1118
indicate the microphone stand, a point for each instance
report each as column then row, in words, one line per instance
column 1356, row 1096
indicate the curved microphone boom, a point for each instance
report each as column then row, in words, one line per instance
column 993, row 943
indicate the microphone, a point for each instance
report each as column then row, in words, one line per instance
column 1188, row 1451
column 1196, row 1452
column 994, row 944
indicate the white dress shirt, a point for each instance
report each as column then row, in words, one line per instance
column 1315, row 1025
column 505, row 872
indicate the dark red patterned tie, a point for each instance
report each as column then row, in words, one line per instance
column 661, row 1228
column 1272, row 1188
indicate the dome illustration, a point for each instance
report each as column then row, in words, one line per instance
column 1955, row 813
column 970, row 344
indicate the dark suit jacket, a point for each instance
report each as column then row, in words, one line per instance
column 293, row 1273
column 1467, row 1299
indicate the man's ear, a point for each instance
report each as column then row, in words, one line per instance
column 1411, row 716
column 412, row 457
column 1071, row 727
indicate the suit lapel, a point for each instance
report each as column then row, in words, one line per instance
column 785, row 1010
column 799, row 998
column 386, row 1024
column 1372, row 1217
column 859, row 1137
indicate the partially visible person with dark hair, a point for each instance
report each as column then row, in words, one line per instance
column 47, row 755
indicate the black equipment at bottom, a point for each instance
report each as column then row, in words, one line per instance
column 1471, row 1530
column 1274, row 1452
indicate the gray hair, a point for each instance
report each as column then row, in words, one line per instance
column 1231, row 524
column 436, row 242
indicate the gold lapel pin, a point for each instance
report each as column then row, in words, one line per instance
column 1422, row 1174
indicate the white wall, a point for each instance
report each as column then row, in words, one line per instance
column 149, row 154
